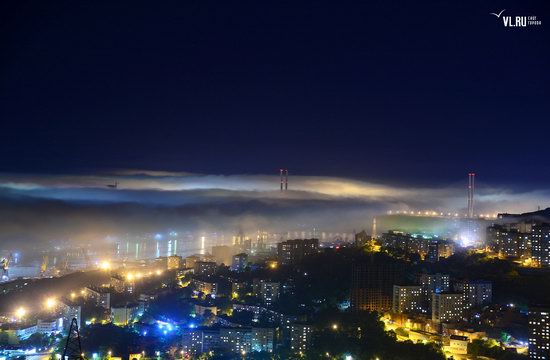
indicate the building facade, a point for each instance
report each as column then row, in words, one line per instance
column 372, row 281
column 292, row 252
column 475, row 293
column 447, row 307
column 408, row 299
column 539, row 333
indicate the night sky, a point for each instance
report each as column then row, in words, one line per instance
column 393, row 91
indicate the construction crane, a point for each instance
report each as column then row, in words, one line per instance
column 5, row 266
column 44, row 265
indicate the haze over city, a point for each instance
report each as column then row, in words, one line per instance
column 274, row 180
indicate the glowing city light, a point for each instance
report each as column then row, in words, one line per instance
column 20, row 312
column 50, row 303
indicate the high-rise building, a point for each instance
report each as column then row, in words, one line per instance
column 292, row 252
column 191, row 260
column 408, row 299
column 174, row 262
column 540, row 245
column 438, row 249
column 199, row 341
column 269, row 292
column 205, row 287
column 124, row 315
column 510, row 240
column 447, row 307
column 539, row 333
column 475, row 293
column 240, row 262
column 409, row 243
column 236, row 340
column 205, row 268
column 70, row 311
column 372, row 281
column 263, row 339
column 300, row 337
column 433, row 283
column 101, row 296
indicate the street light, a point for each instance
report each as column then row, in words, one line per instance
column 50, row 303
column 20, row 312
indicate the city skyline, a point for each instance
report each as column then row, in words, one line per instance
column 274, row 180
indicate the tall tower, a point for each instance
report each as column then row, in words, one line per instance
column 73, row 349
column 471, row 188
column 374, row 235
column 284, row 179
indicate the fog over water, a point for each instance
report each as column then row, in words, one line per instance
column 38, row 210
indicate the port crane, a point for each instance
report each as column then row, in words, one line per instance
column 5, row 266
column 44, row 265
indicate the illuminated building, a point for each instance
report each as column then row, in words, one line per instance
column 236, row 340
column 263, row 339
column 407, row 299
column 49, row 326
column 191, row 260
column 269, row 292
column 238, row 288
column 300, row 337
column 123, row 315
column 206, row 287
column 102, row 297
column 510, row 240
column 433, row 283
column 199, row 341
column 447, row 307
column 205, row 268
column 540, row 242
column 240, row 340
column 69, row 310
column 291, row 252
column 174, row 262
column 372, row 281
column 539, row 333
column 438, row 249
column 458, row 345
column 240, row 262
column 409, row 243
column 201, row 309
column 475, row 293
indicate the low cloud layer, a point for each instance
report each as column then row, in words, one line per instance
column 42, row 208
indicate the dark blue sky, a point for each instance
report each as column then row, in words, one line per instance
column 398, row 91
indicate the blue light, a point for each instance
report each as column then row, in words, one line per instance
column 158, row 236
column 144, row 333
column 165, row 332
column 192, row 326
